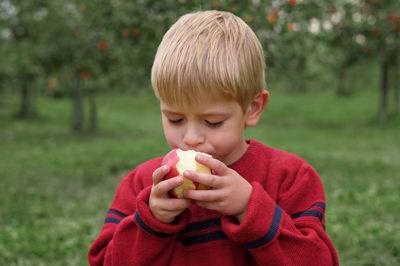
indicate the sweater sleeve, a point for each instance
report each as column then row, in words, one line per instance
column 131, row 235
column 289, row 231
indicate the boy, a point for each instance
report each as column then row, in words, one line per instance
column 266, row 206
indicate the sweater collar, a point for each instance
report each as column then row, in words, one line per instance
column 248, row 158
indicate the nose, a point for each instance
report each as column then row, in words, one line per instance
column 193, row 136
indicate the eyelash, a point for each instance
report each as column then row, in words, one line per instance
column 210, row 124
column 175, row 122
column 214, row 125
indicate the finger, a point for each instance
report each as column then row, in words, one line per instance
column 177, row 204
column 162, row 188
column 167, row 209
column 218, row 167
column 207, row 205
column 205, row 179
column 159, row 174
column 202, row 195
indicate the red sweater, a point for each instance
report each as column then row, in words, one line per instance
column 284, row 225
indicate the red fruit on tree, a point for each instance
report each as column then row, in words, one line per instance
column 366, row 50
column 102, row 46
column 391, row 17
column 126, row 33
column 84, row 75
column 272, row 18
column 249, row 19
column 376, row 32
column 136, row 33
column 82, row 7
column 332, row 10
column 290, row 26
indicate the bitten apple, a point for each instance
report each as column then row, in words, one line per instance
column 179, row 161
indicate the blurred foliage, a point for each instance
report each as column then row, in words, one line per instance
column 61, row 45
column 56, row 187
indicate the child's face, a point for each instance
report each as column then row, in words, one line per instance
column 215, row 127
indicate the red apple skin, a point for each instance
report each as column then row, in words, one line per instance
column 171, row 159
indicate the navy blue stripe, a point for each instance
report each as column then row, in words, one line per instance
column 273, row 229
column 320, row 204
column 148, row 229
column 201, row 225
column 111, row 220
column 199, row 239
column 313, row 213
column 120, row 214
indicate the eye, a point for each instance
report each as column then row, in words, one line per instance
column 175, row 121
column 214, row 124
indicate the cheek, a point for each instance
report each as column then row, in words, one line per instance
column 171, row 135
column 225, row 142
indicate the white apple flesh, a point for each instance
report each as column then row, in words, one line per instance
column 179, row 161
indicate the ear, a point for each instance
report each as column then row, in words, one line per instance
column 256, row 108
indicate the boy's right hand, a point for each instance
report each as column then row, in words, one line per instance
column 162, row 206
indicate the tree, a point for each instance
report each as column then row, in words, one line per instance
column 23, row 49
column 83, row 48
column 383, row 38
column 78, row 57
column 287, row 31
column 365, row 30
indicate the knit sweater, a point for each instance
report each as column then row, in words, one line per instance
column 284, row 224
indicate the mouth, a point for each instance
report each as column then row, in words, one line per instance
column 199, row 150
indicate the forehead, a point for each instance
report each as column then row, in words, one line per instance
column 190, row 95
column 209, row 107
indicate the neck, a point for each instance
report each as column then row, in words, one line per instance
column 238, row 153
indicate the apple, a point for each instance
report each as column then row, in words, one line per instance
column 179, row 161
column 102, row 46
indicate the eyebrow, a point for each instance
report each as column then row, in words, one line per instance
column 169, row 112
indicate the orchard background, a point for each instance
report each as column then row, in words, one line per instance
column 77, row 113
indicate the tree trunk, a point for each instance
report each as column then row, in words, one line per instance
column 92, row 112
column 1, row 96
column 341, row 89
column 77, row 116
column 300, row 77
column 382, row 113
column 26, row 109
column 396, row 89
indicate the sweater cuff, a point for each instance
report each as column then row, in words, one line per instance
column 145, row 219
column 261, row 224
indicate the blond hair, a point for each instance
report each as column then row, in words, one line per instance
column 208, row 54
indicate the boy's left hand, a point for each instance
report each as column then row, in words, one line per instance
column 229, row 192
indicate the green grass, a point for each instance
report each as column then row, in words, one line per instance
column 56, row 186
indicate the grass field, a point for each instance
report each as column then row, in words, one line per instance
column 56, row 186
